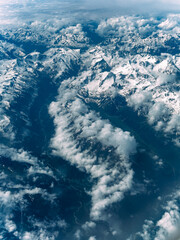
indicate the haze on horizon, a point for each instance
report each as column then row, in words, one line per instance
column 140, row 5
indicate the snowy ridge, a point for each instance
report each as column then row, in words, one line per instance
column 16, row 78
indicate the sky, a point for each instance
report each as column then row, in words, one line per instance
column 11, row 11
column 94, row 3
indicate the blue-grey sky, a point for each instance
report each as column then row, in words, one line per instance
column 12, row 11
column 129, row 3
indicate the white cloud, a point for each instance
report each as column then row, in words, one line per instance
column 21, row 156
column 15, row 199
column 37, row 235
column 16, row 187
column 103, row 131
column 139, row 99
column 76, row 125
column 168, row 226
column 78, row 234
column 174, row 123
column 17, row 155
column 72, row 36
column 164, row 79
column 88, row 225
column 156, row 112
column 10, row 225
column 169, row 223
column 92, row 238
column 146, row 232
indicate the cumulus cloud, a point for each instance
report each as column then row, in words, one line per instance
column 65, row 145
column 174, row 123
column 168, row 226
column 103, row 131
column 92, row 238
column 78, row 126
column 72, row 36
column 22, row 156
column 165, row 79
column 116, row 26
column 88, row 225
column 17, row 155
column 156, row 112
column 170, row 222
column 139, row 99
column 146, row 232
column 11, row 200
column 16, row 187
column 43, row 233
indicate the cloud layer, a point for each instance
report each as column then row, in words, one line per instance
column 77, row 130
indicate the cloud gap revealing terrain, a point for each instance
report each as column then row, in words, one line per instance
column 89, row 120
